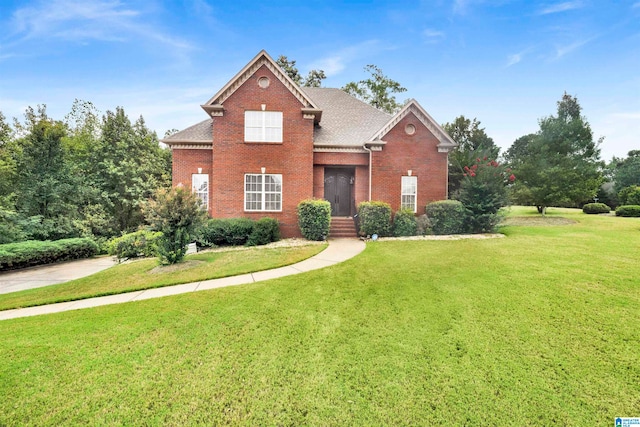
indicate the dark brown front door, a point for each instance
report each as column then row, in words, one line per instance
column 337, row 190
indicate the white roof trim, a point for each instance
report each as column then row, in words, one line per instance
column 243, row 75
column 446, row 143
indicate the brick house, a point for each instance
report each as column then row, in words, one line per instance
column 268, row 144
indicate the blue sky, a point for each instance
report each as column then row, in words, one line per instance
column 504, row 62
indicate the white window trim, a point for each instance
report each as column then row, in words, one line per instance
column 200, row 193
column 262, row 125
column 262, row 192
column 404, row 192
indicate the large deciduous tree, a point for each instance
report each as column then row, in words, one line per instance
column 376, row 90
column 473, row 142
column 314, row 77
column 626, row 172
column 129, row 166
column 559, row 165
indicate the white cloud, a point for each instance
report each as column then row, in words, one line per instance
column 561, row 7
column 336, row 63
column 85, row 20
column 433, row 36
column 566, row 49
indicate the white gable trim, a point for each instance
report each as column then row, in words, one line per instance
column 243, row 75
column 446, row 143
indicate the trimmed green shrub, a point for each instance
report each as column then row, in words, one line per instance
column 314, row 219
column 375, row 218
column 239, row 231
column 265, row 230
column 628, row 211
column 596, row 208
column 447, row 217
column 213, row 232
column 132, row 245
column 404, row 223
column 32, row 252
column 629, row 195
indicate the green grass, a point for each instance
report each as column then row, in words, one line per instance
column 536, row 329
column 144, row 274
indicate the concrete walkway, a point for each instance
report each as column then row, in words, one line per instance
column 339, row 250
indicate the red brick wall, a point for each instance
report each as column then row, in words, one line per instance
column 186, row 162
column 233, row 158
column 418, row 152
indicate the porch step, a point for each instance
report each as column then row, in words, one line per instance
column 342, row 227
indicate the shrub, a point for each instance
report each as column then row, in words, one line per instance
column 239, row 230
column 447, row 217
column 375, row 218
column 314, row 218
column 404, row 223
column 132, row 245
column 483, row 192
column 424, row 225
column 30, row 253
column 596, row 208
column 265, row 230
column 629, row 195
column 628, row 211
column 177, row 213
column 213, row 232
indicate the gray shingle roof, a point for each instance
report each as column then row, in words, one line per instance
column 346, row 121
column 199, row 133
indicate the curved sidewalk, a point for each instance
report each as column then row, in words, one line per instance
column 339, row 250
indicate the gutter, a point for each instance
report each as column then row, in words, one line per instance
column 364, row 146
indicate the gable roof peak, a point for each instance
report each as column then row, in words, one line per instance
column 446, row 144
column 214, row 105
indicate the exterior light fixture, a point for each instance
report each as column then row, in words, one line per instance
column 409, row 172
column 263, row 170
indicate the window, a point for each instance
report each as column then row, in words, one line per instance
column 409, row 193
column 200, row 186
column 263, row 126
column 263, row 192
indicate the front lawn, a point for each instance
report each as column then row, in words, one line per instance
column 146, row 274
column 540, row 328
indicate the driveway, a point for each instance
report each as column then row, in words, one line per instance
column 37, row 277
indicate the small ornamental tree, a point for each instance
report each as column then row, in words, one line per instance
column 483, row 192
column 176, row 213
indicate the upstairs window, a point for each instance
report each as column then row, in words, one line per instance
column 409, row 193
column 200, row 186
column 263, row 126
column 263, row 192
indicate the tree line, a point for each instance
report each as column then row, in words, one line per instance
column 559, row 165
column 88, row 175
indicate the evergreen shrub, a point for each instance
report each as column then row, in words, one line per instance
column 629, row 195
column 375, row 218
column 596, row 208
column 265, row 230
column 132, row 245
column 314, row 219
column 33, row 252
column 447, row 216
column 405, row 223
column 628, row 211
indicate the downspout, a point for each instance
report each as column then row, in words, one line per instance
column 370, row 167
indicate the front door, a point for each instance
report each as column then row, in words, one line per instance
column 337, row 190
